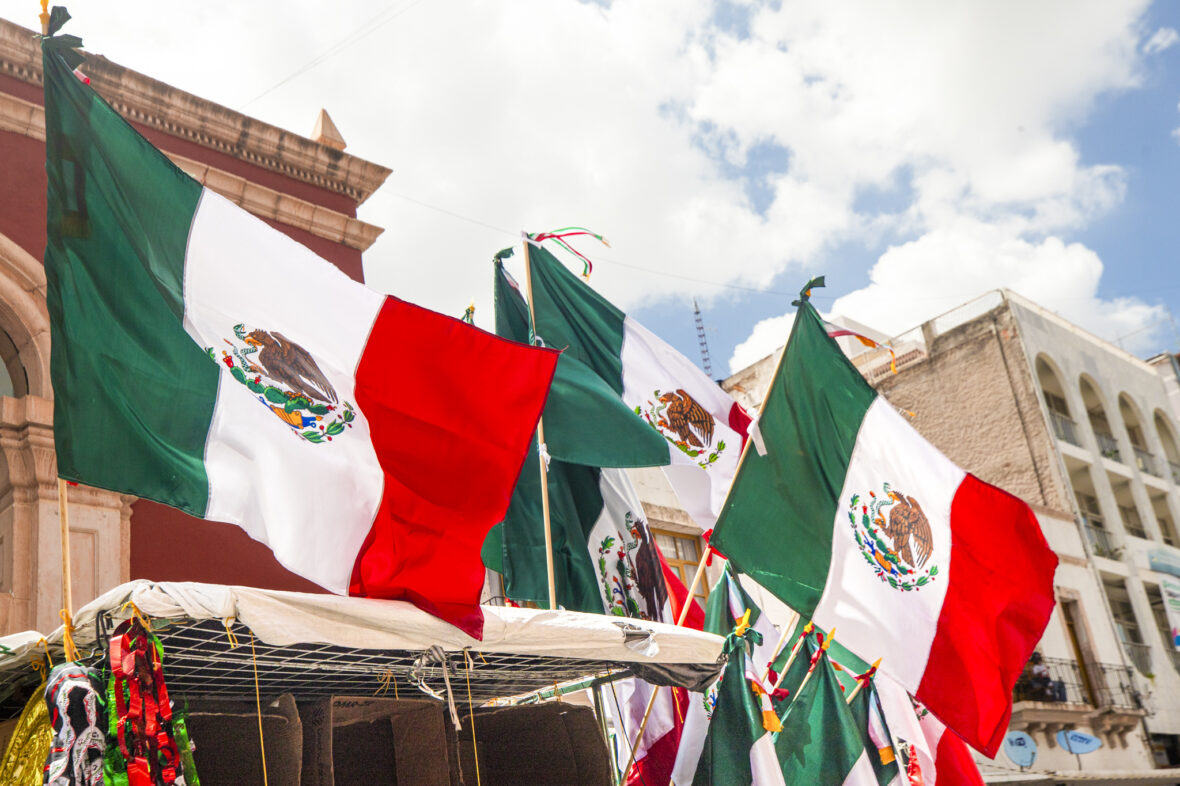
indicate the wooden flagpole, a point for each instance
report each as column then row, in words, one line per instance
column 862, row 682
column 542, row 453
column 63, row 514
column 791, row 659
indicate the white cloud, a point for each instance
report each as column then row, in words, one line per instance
column 628, row 116
column 767, row 336
column 1162, row 39
column 926, row 277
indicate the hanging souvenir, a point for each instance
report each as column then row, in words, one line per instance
column 24, row 760
column 77, row 714
column 141, row 716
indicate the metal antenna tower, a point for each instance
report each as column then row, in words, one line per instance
column 705, row 361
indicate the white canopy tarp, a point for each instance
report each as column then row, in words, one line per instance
column 285, row 618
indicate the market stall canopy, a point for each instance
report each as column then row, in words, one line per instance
column 322, row 645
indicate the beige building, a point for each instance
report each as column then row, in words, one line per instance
column 1085, row 433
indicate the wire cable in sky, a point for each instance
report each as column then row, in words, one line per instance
column 365, row 30
column 609, row 260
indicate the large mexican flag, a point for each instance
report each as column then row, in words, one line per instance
column 699, row 429
column 856, row 522
column 206, row 361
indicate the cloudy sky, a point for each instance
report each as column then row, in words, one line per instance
column 918, row 154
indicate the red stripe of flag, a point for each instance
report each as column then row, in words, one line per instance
column 998, row 601
column 451, row 410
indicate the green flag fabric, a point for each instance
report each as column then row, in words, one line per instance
column 737, row 751
column 820, row 742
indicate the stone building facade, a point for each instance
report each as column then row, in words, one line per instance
column 1087, row 434
column 306, row 188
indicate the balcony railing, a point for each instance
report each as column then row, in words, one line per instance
column 1166, row 531
column 1103, row 685
column 1175, row 471
column 1173, row 653
column 1064, row 684
column 1140, row 655
column 1147, row 462
column 1116, row 688
column 1131, row 521
column 1100, row 541
column 1065, row 428
column 1108, row 446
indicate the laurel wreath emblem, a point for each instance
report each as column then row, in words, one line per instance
column 311, row 420
column 654, row 415
column 864, row 518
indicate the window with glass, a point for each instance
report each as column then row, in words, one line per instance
column 683, row 553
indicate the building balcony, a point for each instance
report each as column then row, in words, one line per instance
column 1108, row 446
column 1100, row 541
column 1065, row 429
column 1147, row 462
column 1173, row 653
column 1131, row 521
column 1102, row 696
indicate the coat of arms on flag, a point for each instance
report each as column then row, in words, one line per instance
column 898, row 550
column 285, row 379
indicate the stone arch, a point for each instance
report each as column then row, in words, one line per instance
column 1053, row 391
column 1094, row 401
column 24, row 319
column 1167, row 437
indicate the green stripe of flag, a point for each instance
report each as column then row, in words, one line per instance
column 820, row 742
column 586, row 421
column 571, row 316
column 134, row 395
column 777, row 523
column 735, row 726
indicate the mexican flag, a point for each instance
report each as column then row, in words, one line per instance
column 822, row 741
column 206, row 361
column 738, row 749
column 605, row 556
column 700, row 429
column 865, row 709
column 727, row 605
column 855, row 521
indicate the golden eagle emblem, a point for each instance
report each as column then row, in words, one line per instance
column 894, row 537
column 682, row 420
column 285, row 378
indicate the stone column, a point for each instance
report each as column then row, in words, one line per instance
column 30, row 539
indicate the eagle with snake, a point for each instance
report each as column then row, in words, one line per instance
column 691, row 422
column 291, row 365
column 909, row 530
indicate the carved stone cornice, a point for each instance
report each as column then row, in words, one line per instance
column 26, row 118
column 152, row 103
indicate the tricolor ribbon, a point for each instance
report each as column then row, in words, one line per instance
column 559, row 235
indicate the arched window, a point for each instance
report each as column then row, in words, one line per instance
column 1096, row 413
column 1134, row 424
column 1167, row 435
column 14, row 380
column 1064, row 425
